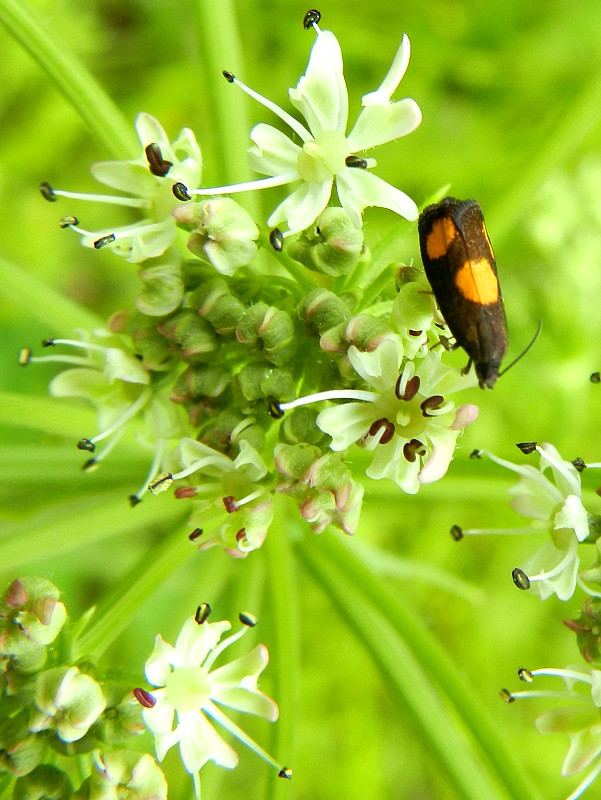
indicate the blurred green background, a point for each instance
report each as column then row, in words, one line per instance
column 511, row 99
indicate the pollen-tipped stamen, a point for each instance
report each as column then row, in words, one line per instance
column 50, row 193
column 130, row 412
column 212, row 710
column 331, row 394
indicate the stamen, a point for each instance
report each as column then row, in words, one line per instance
column 383, row 429
column 506, row 695
column 579, row 464
column 87, row 445
column 355, row 162
column 196, row 534
column 185, row 492
column 130, row 412
column 286, row 773
column 331, row 394
column 527, row 447
column 104, row 240
column 157, row 164
column 68, row 222
column 144, row 698
column 276, row 239
column 24, row 356
column 215, row 713
column 434, row 403
column 202, row 613
column 247, row 619
column 274, row 410
column 595, row 377
column 161, row 484
column 241, row 537
column 525, row 675
column 521, row 580
column 410, row 388
column 311, row 19
column 476, row 454
column 230, row 504
column 500, row 531
column 456, row 533
column 49, row 193
column 413, row 449
column 182, row 192
column 134, row 500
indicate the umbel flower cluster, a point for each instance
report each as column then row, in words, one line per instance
column 271, row 359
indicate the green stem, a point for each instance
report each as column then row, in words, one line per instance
column 97, row 110
column 26, row 290
column 301, row 275
column 473, row 754
column 117, row 610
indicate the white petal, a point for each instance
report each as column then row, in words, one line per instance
column 438, row 463
column 120, row 366
column 195, row 641
column 358, row 189
column 158, row 666
column 345, row 423
column 150, row 130
column 126, row 176
column 379, row 124
column 301, row 208
column 393, row 77
column 380, row 368
column 321, row 94
column 565, row 474
column 273, row 152
column 573, row 515
column 389, row 462
column 199, row 742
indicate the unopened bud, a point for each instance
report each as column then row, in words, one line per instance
column 332, row 246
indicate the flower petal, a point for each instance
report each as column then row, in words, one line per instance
column 200, row 742
column 150, row 130
column 321, row 94
column 195, row 641
column 358, row 189
column 301, row 208
column 126, row 176
column 379, row 124
column 393, row 77
column 345, row 423
column 437, row 465
column 273, row 153
column 573, row 515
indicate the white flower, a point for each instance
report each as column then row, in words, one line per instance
column 190, row 692
column 326, row 154
column 148, row 181
column 407, row 420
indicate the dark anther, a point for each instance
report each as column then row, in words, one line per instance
column 47, row 192
column 382, row 424
column 415, row 333
column 274, row 410
column 286, row 773
column 86, row 444
column 180, row 190
column 312, row 17
column 144, row 698
column 431, row 403
column 525, row 675
column 476, row 454
column 526, row 447
column 229, row 76
column 411, row 388
column 276, row 240
column 247, row 619
column 196, row 533
column 506, row 696
column 67, row 222
column 202, row 613
column 579, row 464
column 90, row 464
column 355, row 162
column 230, row 504
column 157, row 164
column 595, row 377
column 166, row 478
column 48, row 343
column 521, row 580
column 413, row 449
column 241, row 536
column 134, row 500
column 185, row 492
column 24, row 356
column 457, row 533
column 104, row 240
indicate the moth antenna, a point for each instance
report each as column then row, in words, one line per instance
column 525, row 350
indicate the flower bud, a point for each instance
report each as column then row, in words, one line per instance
column 330, row 474
column 123, row 773
column 324, row 309
column 413, row 307
column 68, row 701
column 163, row 285
column 299, row 425
column 270, row 329
column 154, row 348
column 223, row 232
column 405, row 274
column 295, row 460
column 194, row 335
column 43, row 783
column 202, row 380
column 260, row 381
column 20, row 751
column 332, row 246
column 366, row 332
column 587, row 628
column 215, row 303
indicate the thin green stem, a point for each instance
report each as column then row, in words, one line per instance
column 474, row 755
column 97, row 110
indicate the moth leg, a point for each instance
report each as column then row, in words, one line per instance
column 467, row 367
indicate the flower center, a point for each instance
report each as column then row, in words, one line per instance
column 187, row 688
column 323, row 157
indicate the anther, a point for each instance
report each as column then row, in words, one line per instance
column 241, row 536
column 134, row 500
column 476, row 454
column 411, row 388
column 144, row 698
column 457, row 533
column 579, row 464
column 525, row 675
column 68, row 222
column 202, row 613
column 180, row 190
column 156, row 163
column 413, row 449
column 48, row 343
column 247, row 619
column 274, row 410
column 276, row 240
column 196, row 533
column 286, row 773
column 506, row 695
column 86, row 444
column 161, row 484
column 24, row 356
column 526, row 447
column 521, row 580
column 104, row 241
column 595, row 377
column 355, row 162
column 383, row 424
column 415, row 333
column 229, row 76
column 230, row 504
column 431, row 404
column 90, row 464
column 47, row 192
column 185, row 492
column 312, row 17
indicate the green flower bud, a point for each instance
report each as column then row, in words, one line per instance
column 224, row 233
column 253, row 434
column 154, row 348
column 366, row 332
column 20, row 752
column 44, row 783
column 332, row 246
column 215, row 303
column 121, row 774
column 330, row 474
column 413, row 307
column 334, row 339
column 324, row 309
column 269, row 328
column 299, row 425
column 295, row 460
column 194, row 335
column 260, row 381
column 163, row 289
column 68, row 701
column 200, row 381
column 587, row 628
column 405, row 274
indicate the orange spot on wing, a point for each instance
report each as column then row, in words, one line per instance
column 441, row 235
column 477, row 282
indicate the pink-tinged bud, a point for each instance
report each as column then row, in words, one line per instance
column 16, row 595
